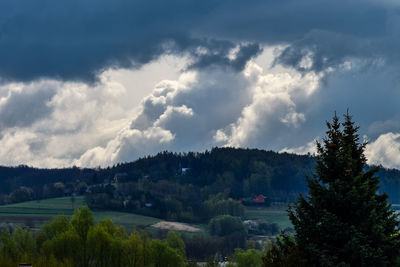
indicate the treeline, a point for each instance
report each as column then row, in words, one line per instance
column 13, row 177
column 245, row 172
column 164, row 199
column 237, row 173
column 80, row 242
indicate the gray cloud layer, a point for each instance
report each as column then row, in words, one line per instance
column 77, row 39
column 22, row 108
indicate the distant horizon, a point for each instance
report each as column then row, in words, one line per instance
column 313, row 155
column 151, row 155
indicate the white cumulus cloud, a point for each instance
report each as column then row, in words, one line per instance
column 385, row 150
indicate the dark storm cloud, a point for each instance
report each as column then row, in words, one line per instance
column 329, row 31
column 327, row 49
column 221, row 58
column 74, row 40
column 277, row 21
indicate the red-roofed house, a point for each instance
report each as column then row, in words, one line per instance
column 260, row 199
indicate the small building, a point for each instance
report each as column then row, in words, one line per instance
column 120, row 177
column 260, row 199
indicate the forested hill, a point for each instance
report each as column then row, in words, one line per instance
column 239, row 173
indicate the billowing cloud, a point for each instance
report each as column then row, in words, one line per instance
column 385, row 150
column 23, row 105
column 278, row 108
column 178, row 115
column 272, row 114
column 205, row 108
column 309, row 148
column 51, row 123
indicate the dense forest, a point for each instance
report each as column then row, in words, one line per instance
column 243, row 171
column 192, row 187
column 282, row 172
column 237, row 173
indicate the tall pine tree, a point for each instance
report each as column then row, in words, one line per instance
column 344, row 221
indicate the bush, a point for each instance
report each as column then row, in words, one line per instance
column 224, row 225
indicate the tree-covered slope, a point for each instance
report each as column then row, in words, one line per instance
column 239, row 173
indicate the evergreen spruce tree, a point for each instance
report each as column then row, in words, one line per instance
column 344, row 221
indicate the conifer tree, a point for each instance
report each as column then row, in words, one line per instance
column 344, row 221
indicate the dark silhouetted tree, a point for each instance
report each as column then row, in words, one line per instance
column 344, row 221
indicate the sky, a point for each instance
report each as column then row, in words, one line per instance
column 95, row 82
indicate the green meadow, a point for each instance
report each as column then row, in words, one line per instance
column 35, row 213
column 272, row 214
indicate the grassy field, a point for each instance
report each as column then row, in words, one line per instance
column 35, row 213
column 273, row 214
column 278, row 214
column 50, row 207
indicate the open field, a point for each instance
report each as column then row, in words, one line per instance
column 175, row 226
column 278, row 214
column 129, row 220
column 45, row 207
column 273, row 214
column 35, row 213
